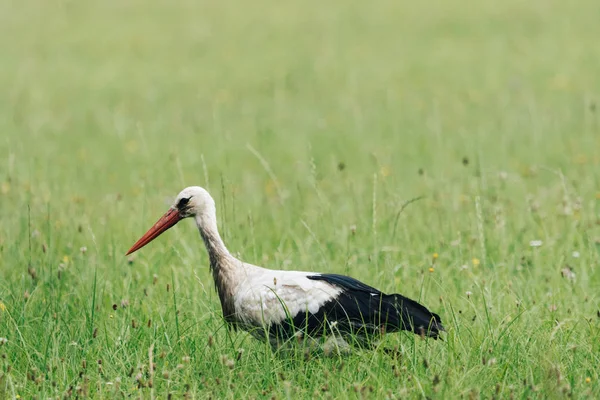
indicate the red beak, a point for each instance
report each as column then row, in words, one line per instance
column 165, row 222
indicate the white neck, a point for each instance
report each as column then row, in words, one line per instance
column 217, row 252
column 224, row 267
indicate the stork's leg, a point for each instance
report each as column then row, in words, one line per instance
column 297, row 345
column 335, row 345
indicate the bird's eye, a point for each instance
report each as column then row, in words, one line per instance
column 183, row 202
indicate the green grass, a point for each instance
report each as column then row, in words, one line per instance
column 311, row 123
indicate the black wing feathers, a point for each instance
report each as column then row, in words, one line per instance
column 360, row 310
column 363, row 307
column 344, row 282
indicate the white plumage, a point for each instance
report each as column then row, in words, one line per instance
column 280, row 304
column 259, row 297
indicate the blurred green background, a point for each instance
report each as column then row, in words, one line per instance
column 311, row 123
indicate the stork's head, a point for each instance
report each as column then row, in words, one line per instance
column 193, row 201
column 190, row 202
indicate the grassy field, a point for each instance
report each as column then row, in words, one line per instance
column 311, row 123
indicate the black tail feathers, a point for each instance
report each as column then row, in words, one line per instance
column 412, row 316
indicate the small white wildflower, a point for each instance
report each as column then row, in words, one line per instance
column 576, row 254
column 464, row 267
column 536, row 243
column 469, row 294
column 83, row 249
column 3, row 341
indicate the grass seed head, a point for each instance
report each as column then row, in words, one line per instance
column 568, row 273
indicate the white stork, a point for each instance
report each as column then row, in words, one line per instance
column 279, row 305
